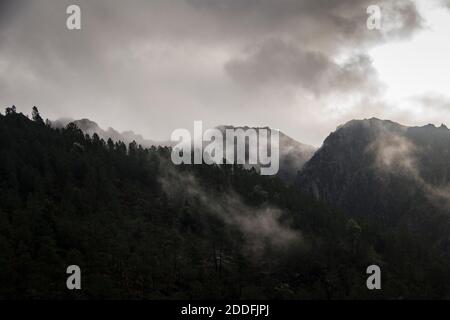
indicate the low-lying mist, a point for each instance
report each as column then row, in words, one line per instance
column 262, row 227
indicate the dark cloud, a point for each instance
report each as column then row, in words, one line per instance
column 153, row 66
column 328, row 24
column 276, row 62
column 9, row 8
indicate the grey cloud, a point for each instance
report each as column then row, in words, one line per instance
column 9, row 9
column 119, row 26
column 278, row 62
column 434, row 101
column 153, row 66
column 339, row 22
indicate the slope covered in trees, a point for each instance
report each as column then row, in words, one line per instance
column 141, row 228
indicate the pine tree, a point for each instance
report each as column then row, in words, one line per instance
column 36, row 116
column 11, row 110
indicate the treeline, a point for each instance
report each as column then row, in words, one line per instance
column 68, row 198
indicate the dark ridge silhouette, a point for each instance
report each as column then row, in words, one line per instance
column 141, row 228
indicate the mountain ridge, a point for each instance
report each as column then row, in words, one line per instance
column 380, row 169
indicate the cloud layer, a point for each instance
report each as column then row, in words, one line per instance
column 153, row 66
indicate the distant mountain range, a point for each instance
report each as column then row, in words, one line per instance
column 376, row 192
column 90, row 127
column 377, row 169
column 293, row 154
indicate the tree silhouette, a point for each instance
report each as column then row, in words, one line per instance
column 68, row 198
column 36, row 116
column 10, row 110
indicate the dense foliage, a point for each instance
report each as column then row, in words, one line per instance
column 67, row 198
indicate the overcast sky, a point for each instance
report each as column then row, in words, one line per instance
column 302, row 66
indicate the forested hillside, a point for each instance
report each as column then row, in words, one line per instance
column 141, row 228
column 396, row 177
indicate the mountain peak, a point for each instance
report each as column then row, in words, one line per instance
column 367, row 161
column 374, row 123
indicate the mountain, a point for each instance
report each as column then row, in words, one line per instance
column 382, row 170
column 293, row 154
column 140, row 227
column 90, row 127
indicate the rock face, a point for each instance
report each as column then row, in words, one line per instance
column 382, row 170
